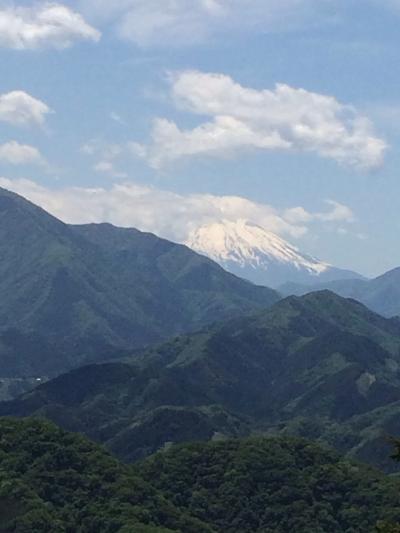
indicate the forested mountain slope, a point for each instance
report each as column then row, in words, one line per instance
column 320, row 366
column 71, row 295
column 58, row 482
column 273, row 485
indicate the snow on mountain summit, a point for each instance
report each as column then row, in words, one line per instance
column 249, row 245
column 250, row 251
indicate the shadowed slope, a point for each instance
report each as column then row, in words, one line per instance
column 315, row 365
column 75, row 294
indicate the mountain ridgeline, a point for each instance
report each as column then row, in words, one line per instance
column 78, row 294
column 319, row 366
column 381, row 294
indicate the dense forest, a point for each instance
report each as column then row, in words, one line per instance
column 53, row 481
column 274, row 485
column 58, row 482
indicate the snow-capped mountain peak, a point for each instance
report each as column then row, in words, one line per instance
column 248, row 244
column 250, row 251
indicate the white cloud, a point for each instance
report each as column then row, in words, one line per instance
column 107, row 150
column 104, row 166
column 298, row 215
column 107, row 153
column 15, row 153
column 180, row 22
column 162, row 212
column 21, row 109
column 242, row 118
column 45, row 25
column 220, row 138
column 337, row 213
column 107, row 167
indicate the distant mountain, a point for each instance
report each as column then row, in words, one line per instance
column 58, row 482
column 76, row 294
column 251, row 252
column 320, row 366
column 381, row 294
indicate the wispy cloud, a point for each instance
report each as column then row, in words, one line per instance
column 45, row 25
column 337, row 213
column 117, row 118
column 182, row 22
column 106, row 155
column 108, row 168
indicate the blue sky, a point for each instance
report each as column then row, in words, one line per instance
column 170, row 114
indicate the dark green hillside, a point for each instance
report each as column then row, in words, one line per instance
column 57, row 482
column 319, row 366
column 71, row 295
column 175, row 278
column 52, row 481
column 273, row 485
